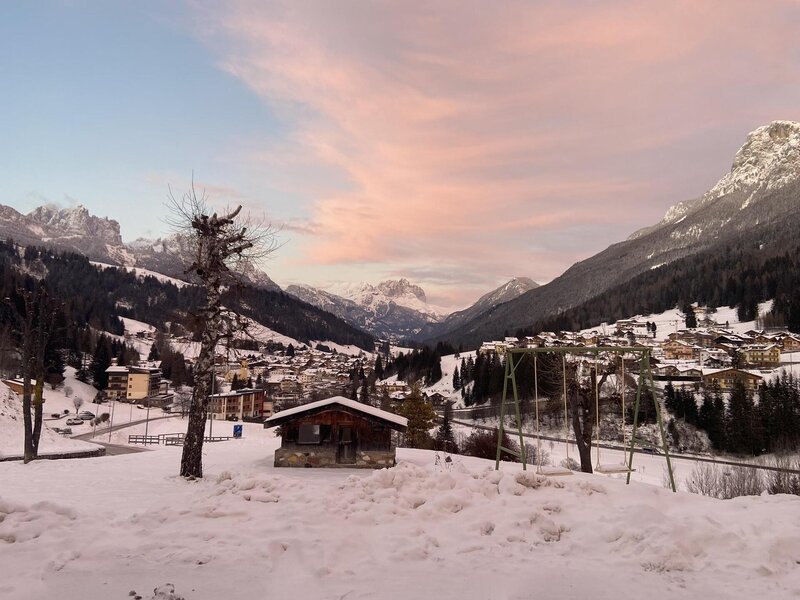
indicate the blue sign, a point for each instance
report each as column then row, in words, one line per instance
column 237, row 431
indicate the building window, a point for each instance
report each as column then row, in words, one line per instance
column 309, row 434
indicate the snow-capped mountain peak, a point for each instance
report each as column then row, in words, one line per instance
column 397, row 291
column 769, row 159
column 393, row 308
column 56, row 223
column 402, row 288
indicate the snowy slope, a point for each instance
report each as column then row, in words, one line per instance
column 12, row 434
column 672, row 320
column 78, row 530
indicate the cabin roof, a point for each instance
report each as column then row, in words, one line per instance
column 396, row 421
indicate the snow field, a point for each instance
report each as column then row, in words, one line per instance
column 101, row 527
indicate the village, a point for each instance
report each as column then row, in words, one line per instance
column 710, row 354
column 252, row 386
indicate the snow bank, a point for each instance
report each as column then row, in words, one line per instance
column 80, row 530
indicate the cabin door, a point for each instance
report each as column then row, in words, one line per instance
column 346, row 453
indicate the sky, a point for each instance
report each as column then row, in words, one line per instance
column 458, row 143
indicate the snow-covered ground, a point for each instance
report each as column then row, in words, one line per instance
column 12, row 433
column 673, row 320
column 100, row 528
column 142, row 273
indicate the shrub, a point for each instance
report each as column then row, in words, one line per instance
column 725, row 482
column 571, row 464
column 483, row 444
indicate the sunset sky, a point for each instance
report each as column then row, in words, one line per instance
column 456, row 143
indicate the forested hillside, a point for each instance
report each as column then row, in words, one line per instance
column 763, row 265
column 99, row 297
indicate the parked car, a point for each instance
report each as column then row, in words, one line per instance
column 56, row 415
column 86, row 415
column 140, row 406
column 63, row 430
column 74, row 421
column 650, row 450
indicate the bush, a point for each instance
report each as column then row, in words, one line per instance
column 725, row 482
column 571, row 464
column 532, row 458
column 483, row 444
column 781, row 482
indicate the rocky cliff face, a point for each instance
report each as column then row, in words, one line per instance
column 100, row 239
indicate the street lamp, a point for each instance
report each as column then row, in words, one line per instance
column 111, row 421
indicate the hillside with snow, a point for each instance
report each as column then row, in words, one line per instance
column 12, row 433
column 753, row 209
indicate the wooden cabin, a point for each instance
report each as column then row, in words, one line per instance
column 336, row 432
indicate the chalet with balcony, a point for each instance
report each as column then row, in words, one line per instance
column 761, row 356
column 726, row 378
column 240, row 404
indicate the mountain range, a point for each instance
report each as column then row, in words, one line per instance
column 395, row 309
column 99, row 239
column 756, row 203
column 398, row 309
column 760, row 196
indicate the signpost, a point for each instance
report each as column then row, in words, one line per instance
column 237, row 431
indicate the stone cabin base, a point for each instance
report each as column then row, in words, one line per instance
column 322, row 457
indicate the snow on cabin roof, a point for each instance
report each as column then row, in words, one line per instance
column 117, row 369
column 707, row 372
column 342, row 401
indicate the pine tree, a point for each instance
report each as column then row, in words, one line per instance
column 689, row 316
column 364, row 395
column 101, row 360
column 445, row 440
column 421, row 418
column 741, row 433
column 456, row 380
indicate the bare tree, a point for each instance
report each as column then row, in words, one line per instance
column 223, row 247
column 77, row 402
column 38, row 312
column 555, row 373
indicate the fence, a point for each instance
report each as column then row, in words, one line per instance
column 172, row 439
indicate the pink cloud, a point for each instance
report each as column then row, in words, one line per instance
column 457, row 127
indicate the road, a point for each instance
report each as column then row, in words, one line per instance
column 686, row 457
column 116, row 449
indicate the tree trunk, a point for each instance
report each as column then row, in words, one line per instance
column 29, row 453
column 582, row 426
column 42, row 337
column 27, row 368
column 192, row 457
column 38, row 403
